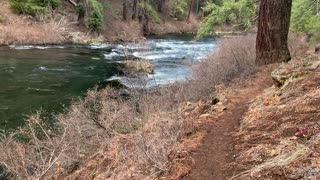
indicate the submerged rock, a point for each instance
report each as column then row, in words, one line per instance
column 140, row 66
column 114, row 83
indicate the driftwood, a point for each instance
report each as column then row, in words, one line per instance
column 72, row 2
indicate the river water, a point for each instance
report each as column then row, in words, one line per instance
column 49, row 77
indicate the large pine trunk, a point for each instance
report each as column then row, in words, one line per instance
column 273, row 29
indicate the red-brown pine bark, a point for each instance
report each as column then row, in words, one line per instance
column 273, row 29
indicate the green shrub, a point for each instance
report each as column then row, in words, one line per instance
column 151, row 12
column 305, row 18
column 2, row 19
column 239, row 13
column 181, row 9
column 34, row 7
column 95, row 18
column 81, row 9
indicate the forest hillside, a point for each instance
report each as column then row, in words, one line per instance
column 68, row 22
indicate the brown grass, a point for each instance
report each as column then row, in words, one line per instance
column 297, row 44
column 234, row 58
column 173, row 27
column 21, row 29
column 270, row 141
column 53, row 32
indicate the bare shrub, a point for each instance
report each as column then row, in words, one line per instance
column 51, row 32
column 297, row 44
column 86, row 126
column 234, row 58
column 91, row 124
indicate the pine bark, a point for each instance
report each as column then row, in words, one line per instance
column 124, row 10
column 273, row 29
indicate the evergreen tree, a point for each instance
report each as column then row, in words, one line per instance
column 305, row 18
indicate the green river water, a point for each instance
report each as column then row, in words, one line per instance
column 49, row 77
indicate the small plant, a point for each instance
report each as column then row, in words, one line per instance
column 80, row 9
column 95, row 18
column 2, row 19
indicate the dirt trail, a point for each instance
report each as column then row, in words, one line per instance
column 211, row 159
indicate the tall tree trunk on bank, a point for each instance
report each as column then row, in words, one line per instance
column 160, row 5
column 190, row 10
column 81, row 10
column 134, row 9
column 124, row 10
column 273, row 29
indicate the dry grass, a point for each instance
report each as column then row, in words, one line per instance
column 279, row 161
column 235, row 58
column 53, row 32
column 20, row 29
column 172, row 26
column 297, row 44
column 272, row 142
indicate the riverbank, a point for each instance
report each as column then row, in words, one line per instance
column 63, row 28
column 108, row 135
column 170, row 132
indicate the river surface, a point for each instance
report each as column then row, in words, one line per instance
column 49, row 77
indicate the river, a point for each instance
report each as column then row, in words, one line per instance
column 47, row 78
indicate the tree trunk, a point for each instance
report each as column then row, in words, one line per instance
column 273, row 29
column 190, row 10
column 134, row 9
column 146, row 28
column 81, row 12
column 160, row 5
column 125, row 10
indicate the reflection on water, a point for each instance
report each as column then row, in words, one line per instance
column 48, row 77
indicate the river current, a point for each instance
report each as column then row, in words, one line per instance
column 47, row 78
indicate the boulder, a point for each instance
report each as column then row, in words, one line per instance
column 114, row 83
column 315, row 65
column 280, row 75
column 139, row 66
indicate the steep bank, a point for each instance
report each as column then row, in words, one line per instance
column 279, row 135
column 265, row 132
column 63, row 27
column 215, row 150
